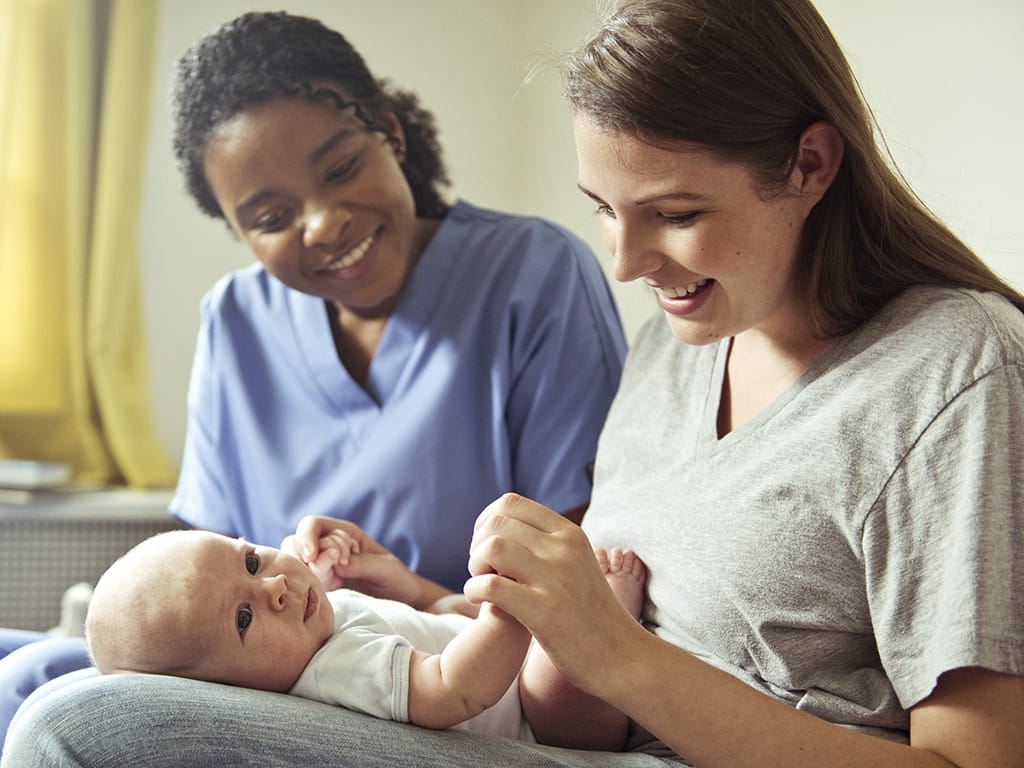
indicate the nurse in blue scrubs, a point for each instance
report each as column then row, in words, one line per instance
column 392, row 359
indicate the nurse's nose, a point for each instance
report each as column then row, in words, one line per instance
column 324, row 224
column 274, row 590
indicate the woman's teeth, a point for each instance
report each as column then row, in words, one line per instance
column 689, row 290
column 353, row 256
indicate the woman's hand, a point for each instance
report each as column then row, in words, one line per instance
column 541, row 568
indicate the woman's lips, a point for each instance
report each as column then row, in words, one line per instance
column 686, row 300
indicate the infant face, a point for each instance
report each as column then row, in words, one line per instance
column 259, row 614
column 198, row 604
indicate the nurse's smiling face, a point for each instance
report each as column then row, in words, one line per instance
column 320, row 200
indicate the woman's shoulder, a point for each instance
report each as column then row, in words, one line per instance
column 933, row 341
column 980, row 328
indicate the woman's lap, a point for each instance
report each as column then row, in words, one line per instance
column 85, row 719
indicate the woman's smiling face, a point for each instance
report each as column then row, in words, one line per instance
column 718, row 254
column 319, row 199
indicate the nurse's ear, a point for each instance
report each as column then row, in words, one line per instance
column 819, row 155
column 395, row 136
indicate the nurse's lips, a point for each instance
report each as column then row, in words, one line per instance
column 352, row 256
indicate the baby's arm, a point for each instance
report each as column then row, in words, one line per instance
column 472, row 673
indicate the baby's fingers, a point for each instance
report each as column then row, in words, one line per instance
column 340, row 545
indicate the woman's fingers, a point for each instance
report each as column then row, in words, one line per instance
column 509, row 553
column 512, row 528
column 516, row 507
column 515, row 536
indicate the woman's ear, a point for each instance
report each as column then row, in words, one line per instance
column 819, row 156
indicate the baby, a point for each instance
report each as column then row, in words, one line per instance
column 201, row 605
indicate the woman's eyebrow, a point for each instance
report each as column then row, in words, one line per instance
column 692, row 197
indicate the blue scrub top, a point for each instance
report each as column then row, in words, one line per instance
column 494, row 374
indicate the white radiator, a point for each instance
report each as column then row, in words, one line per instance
column 50, row 540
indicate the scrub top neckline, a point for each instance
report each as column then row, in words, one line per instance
column 410, row 318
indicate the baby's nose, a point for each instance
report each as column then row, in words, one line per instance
column 275, row 589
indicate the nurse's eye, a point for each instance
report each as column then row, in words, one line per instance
column 243, row 618
column 252, row 563
column 605, row 210
column 343, row 170
column 272, row 221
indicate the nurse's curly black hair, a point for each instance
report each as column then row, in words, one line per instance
column 261, row 56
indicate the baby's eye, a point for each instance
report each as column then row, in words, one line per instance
column 243, row 618
column 252, row 563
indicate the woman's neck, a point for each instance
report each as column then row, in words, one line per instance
column 759, row 369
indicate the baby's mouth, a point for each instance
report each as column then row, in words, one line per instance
column 312, row 603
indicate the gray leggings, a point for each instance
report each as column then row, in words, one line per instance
column 85, row 720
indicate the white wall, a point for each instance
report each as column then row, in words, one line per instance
column 943, row 77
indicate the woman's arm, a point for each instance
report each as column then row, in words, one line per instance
column 524, row 559
column 714, row 719
column 471, row 674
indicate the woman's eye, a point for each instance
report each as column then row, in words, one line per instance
column 682, row 219
column 252, row 563
column 605, row 210
column 243, row 618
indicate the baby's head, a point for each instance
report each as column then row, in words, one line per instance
column 201, row 605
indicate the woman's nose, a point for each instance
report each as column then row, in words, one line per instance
column 324, row 224
column 632, row 255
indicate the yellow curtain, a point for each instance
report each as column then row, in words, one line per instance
column 73, row 373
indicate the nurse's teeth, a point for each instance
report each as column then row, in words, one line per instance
column 354, row 255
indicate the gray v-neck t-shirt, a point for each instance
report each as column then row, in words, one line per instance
column 861, row 536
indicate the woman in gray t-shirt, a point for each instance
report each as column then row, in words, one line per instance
column 815, row 448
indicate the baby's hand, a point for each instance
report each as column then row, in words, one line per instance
column 335, row 549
